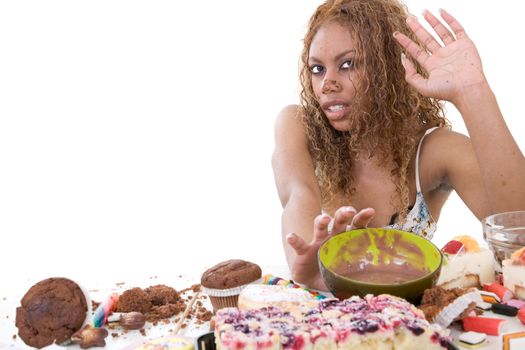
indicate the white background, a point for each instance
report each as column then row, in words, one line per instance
column 136, row 136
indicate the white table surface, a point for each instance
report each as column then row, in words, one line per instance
column 99, row 289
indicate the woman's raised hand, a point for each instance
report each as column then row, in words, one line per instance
column 305, row 268
column 450, row 66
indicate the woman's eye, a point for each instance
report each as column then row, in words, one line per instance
column 316, row 69
column 348, row 64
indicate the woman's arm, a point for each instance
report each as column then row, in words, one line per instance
column 304, row 227
column 455, row 74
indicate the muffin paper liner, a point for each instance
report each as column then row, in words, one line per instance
column 214, row 292
column 221, row 298
column 456, row 308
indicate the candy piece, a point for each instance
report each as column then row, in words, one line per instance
column 504, row 309
column 489, row 297
column 516, row 303
column 452, row 247
column 273, row 280
column 484, row 305
column 503, row 293
column 485, row 325
column 472, row 338
column 470, row 244
column 514, row 341
column 101, row 314
column 521, row 315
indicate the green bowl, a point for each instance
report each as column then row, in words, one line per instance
column 379, row 261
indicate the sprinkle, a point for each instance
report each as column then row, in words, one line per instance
column 472, row 338
column 503, row 293
column 503, row 309
column 485, row 325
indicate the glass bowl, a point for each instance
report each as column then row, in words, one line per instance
column 504, row 233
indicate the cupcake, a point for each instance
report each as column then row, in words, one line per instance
column 465, row 264
column 51, row 311
column 224, row 282
column 514, row 273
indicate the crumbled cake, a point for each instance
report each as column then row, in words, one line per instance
column 443, row 306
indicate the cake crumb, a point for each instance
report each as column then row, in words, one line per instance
column 143, row 332
column 14, row 337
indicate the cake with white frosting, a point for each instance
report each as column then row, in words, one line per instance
column 372, row 322
column 465, row 264
column 256, row 296
column 513, row 270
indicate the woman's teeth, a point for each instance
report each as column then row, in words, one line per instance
column 335, row 108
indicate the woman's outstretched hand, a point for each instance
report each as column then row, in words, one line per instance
column 450, row 66
column 305, row 268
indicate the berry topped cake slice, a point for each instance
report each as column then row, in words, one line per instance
column 372, row 322
column 465, row 264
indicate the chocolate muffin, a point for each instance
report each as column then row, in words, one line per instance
column 50, row 312
column 224, row 281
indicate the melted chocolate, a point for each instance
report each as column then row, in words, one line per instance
column 395, row 261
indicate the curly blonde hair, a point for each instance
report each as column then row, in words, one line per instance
column 387, row 115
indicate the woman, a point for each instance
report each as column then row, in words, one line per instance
column 369, row 145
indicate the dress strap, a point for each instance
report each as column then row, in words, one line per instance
column 418, row 186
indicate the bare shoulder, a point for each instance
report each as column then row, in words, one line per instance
column 445, row 152
column 288, row 117
column 444, row 143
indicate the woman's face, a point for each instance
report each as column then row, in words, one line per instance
column 334, row 77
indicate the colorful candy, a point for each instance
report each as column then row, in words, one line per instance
column 489, row 297
column 485, row 325
column 100, row 316
column 273, row 280
column 516, row 303
column 503, row 293
column 521, row 315
column 513, row 340
column 504, row 309
column 472, row 338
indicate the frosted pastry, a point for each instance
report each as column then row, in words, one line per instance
column 465, row 264
column 372, row 322
column 513, row 270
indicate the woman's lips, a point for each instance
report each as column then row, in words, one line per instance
column 336, row 112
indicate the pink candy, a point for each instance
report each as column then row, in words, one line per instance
column 503, row 293
column 485, row 325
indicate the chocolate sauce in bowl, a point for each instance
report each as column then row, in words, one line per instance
column 393, row 261
column 381, row 274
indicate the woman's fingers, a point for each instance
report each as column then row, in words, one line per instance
column 321, row 224
column 458, row 29
column 413, row 49
column 424, row 37
column 412, row 76
column 343, row 217
column 363, row 218
column 297, row 243
column 441, row 30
